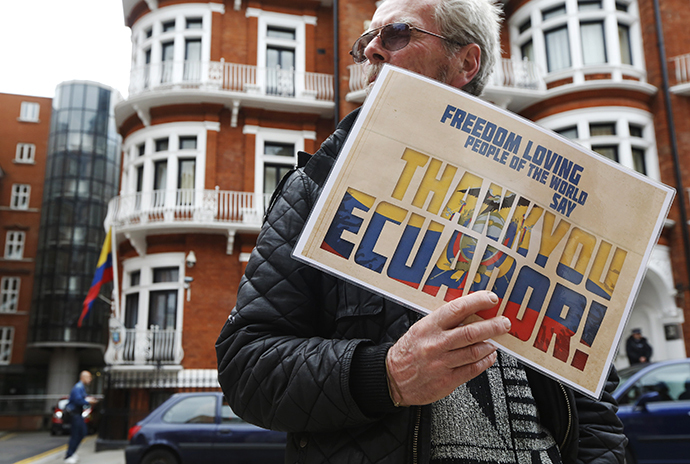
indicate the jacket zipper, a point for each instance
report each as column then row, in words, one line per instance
column 570, row 417
column 415, row 436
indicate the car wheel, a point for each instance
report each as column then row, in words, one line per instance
column 159, row 456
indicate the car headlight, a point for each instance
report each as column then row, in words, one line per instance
column 58, row 414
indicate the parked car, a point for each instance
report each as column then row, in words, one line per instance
column 654, row 404
column 191, row 428
column 58, row 424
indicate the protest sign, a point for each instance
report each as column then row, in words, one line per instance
column 437, row 194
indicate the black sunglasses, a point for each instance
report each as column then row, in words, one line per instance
column 394, row 36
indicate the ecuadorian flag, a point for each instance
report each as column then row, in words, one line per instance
column 104, row 273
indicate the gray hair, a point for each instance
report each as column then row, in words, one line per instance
column 472, row 21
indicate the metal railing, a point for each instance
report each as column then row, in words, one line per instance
column 507, row 73
column 682, row 66
column 231, row 77
column 520, row 74
column 187, row 205
column 154, row 346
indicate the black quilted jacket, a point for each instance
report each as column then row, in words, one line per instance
column 304, row 352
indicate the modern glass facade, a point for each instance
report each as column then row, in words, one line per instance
column 82, row 175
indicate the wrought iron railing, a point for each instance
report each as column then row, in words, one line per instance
column 187, row 205
column 520, row 74
column 154, row 346
column 507, row 73
column 231, row 77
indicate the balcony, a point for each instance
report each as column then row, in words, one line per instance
column 138, row 347
column 513, row 84
column 232, row 84
column 681, row 65
column 185, row 211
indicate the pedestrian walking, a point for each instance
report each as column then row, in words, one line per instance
column 75, row 406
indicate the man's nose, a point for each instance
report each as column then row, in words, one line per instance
column 375, row 52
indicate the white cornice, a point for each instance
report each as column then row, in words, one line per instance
column 256, row 13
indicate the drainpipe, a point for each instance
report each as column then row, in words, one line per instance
column 336, row 61
column 672, row 135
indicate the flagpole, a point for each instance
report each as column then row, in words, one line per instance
column 116, row 275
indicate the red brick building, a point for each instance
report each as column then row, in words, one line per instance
column 224, row 94
column 24, row 130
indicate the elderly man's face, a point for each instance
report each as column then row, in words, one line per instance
column 425, row 54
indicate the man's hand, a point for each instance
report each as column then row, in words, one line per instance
column 438, row 354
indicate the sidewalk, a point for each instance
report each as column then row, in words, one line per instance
column 86, row 452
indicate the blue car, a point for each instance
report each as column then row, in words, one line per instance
column 191, row 428
column 654, row 404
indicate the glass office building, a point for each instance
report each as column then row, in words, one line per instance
column 82, row 175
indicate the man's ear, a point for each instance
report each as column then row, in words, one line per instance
column 468, row 60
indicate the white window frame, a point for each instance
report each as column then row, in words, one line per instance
column 267, row 134
column 9, row 294
column 25, row 154
column 572, row 20
column 173, row 132
column 145, row 266
column 268, row 19
column 29, row 111
column 14, row 244
column 21, row 196
column 6, row 341
column 149, row 74
column 623, row 117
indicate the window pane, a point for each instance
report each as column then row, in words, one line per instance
column 194, row 23
column 272, row 175
column 624, row 39
column 187, row 169
column 163, row 309
column 593, row 46
column 227, row 415
column 194, row 410
column 166, row 274
column 280, row 33
column 557, row 49
column 192, row 56
column 669, row 381
column 131, row 310
column 610, row 152
column 639, row 161
column 187, row 143
column 525, row 26
column 635, row 130
column 587, row 5
column 568, row 132
column 161, row 175
column 602, row 129
column 280, row 149
column 162, row 144
column 553, row 12
column 528, row 51
column 169, row 26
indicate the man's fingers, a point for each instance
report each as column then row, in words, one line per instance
column 469, row 334
column 468, row 354
column 454, row 313
column 467, row 372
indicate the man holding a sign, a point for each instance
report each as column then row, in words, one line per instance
column 355, row 377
